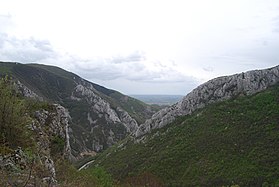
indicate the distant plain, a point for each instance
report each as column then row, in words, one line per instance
column 158, row 99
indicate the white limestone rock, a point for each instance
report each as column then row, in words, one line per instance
column 215, row 90
column 26, row 92
column 129, row 122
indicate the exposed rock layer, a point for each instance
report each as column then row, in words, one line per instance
column 215, row 90
column 106, row 124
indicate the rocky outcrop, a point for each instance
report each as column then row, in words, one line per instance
column 26, row 92
column 215, row 90
column 130, row 123
column 98, row 105
column 36, row 167
column 49, row 126
column 53, row 123
column 13, row 161
column 106, row 124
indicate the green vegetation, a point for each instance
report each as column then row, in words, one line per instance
column 51, row 86
column 68, row 176
column 57, row 145
column 13, row 120
column 14, row 133
column 6, row 68
column 234, row 142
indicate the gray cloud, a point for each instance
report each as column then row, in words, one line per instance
column 134, row 76
column 208, row 69
column 24, row 50
column 134, row 69
column 131, row 68
column 134, row 57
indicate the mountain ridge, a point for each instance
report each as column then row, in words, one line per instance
column 214, row 90
column 228, row 143
column 99, row 116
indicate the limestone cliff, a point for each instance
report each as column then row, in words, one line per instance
column 215, row 90
column 106, row 124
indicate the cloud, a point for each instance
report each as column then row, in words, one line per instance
column 133, row 67
column 275, row 22
column 208, row 69
column 24, row 50
column 5, row 22
column 133, row 57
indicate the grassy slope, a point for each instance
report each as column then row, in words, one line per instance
column 232, row 142
column 50, row 85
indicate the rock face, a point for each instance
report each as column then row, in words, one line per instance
column 54, row 123
column 129, row 122
column 50, row 128
column 106, row 124
column 26, row 92
column 215, row 90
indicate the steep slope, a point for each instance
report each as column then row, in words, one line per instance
column 233, row 142
column 215, row 90
column 99, row 116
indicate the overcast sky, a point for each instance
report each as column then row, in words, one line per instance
column 142, row 46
